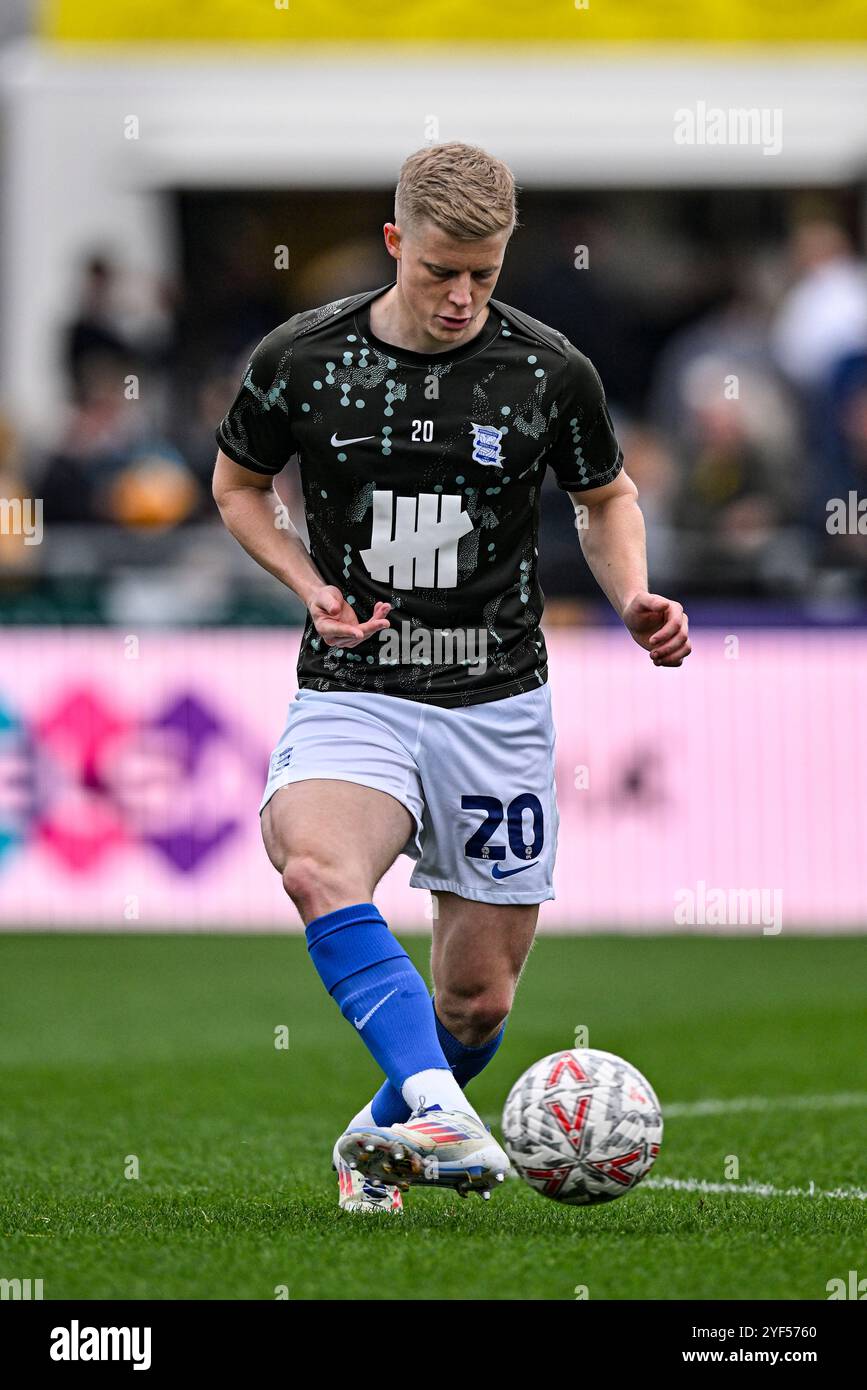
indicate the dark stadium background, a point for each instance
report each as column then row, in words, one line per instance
column 671, row 273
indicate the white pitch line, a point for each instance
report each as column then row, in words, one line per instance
column 695, row 1109
column 754, row 1189
column 691, row 1109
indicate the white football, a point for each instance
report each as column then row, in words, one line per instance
column 582, row 1126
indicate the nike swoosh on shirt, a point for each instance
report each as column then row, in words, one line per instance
column 338, row 443
column 507, row 873
column 360, row 1022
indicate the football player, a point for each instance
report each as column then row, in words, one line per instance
column 424, row 415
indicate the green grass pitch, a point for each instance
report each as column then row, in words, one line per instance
column 162, row 1048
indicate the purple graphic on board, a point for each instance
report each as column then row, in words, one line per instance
column 86, row 778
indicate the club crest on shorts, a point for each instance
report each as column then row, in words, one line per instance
column 487, row 445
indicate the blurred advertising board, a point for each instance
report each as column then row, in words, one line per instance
column 728, row 794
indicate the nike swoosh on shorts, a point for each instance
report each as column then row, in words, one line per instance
column 507, row 873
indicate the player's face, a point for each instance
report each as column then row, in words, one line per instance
column 445, row 283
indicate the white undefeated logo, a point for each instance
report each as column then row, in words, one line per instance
column 424, row 550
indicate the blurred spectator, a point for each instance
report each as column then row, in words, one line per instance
column 735, row 334
column 844, row 472
column 94, row 339
column 740, row 496
column 652, row 468
column 205, row 399
column 562, row 571
column 110, row 466
column 823, row 317
column 820, row 340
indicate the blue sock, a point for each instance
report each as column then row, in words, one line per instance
column 371, row 977
column 389, row 1106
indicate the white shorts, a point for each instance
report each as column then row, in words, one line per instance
column 478, row 781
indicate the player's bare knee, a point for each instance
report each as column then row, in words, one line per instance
column 474, row 1018
column 317, row 886
column 303, row 876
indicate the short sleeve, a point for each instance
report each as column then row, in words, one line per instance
column 585, row 452
column 256, row 430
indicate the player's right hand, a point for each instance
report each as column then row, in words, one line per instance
column 336, row 621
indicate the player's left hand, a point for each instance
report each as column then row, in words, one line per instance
column 660, row 626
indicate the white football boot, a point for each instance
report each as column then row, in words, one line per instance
column 433, row 1148
column 358, row 1192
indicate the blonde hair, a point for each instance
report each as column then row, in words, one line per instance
column 462, row 189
